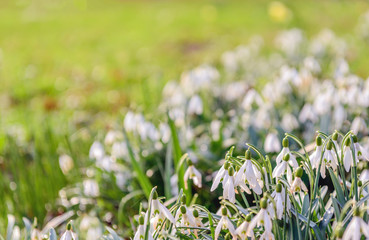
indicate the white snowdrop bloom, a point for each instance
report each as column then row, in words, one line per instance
column 360, row 151
column 106, row 163
column 164, row 132
column 186, row 220
column 68, row 234
column 192, row 173
column 119, row 150
column 225, row 223
column 159, row 212
column 91, row 188
column 262, row 219
column 364, row 176
column 229, row 61
column 339, row 116
column 215, row 128
column 316, row 155
column 297, row 184
column 221, row 175
column 284, row 151
column 140, row 234
column 335, row 142
column 272, row 143
column 241, row 230
column 129, row 122
column 195, row 106
column 279, row 197
column 348, row 159
column 174, row 185
column 249, row 172
column 66, row 163
column 251, row 98
column 97, row 151
column 289, row 161
column 307, row 113
column 358, row 125
column 329, row 160
column 36, row 234
column 356, row 228
column 312, row 64
column 16, row 235
column 112, row 136
column 290, row 41
column 229, row 186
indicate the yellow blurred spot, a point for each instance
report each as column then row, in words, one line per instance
column 209, row 13
column 278, row 12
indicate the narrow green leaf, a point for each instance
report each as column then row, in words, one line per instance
column 337, row 187
column 326, row 219
column 142, row 178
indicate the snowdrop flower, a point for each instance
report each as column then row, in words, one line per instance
column 262, row 218
column 198, row 222
column 364, row 175
column 284, row 151
column 228, row 188
column 221, row 175
column 348, row 159
column 298, row 184
column 334, row 140
column 289, row 161
column 249, row 172
column 69, row 235
column 187, row 220
column 140, row 234
column 91, row 188
column 356, row 227
column 97, row 151
column 315, row 157
column 358, row 125
column 195, row 106
column 329, row 159
column 159, row 211
column 225, row 223
column 192, row 173
column 66, row 163
column 279, row 198
column 272, row 143
column 241, row 231
column 360, row 152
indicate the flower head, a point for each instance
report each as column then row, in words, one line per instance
column 225, row 223
column 192, row 173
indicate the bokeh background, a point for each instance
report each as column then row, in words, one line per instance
column 71, row 68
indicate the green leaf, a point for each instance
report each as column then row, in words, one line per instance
column 305, row 205
column 121, row 214
column 337, row 187
column 326, row 219
column 142, row 178
column 313, row 225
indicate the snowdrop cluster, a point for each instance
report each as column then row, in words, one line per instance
column 258, row 203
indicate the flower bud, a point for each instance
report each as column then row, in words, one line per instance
column 339, row 231
column 319, row 141
column 183, row 210
column 285, row 142
column 224, row 211
column 183, row 199
column 263, row 203
column 248, row 217
column 335, row 136
column 347, row 142
column 278, row 188
column 141, row 220
column 248, row 155
column 286, row 157
column 299, row 172
column 354, row 138
column 154, row 195
column 360, row 183
column 69, row 226
column 329, row 145
column 226, row 165
column 195, row 213
column 189, row 162
column 231, row 171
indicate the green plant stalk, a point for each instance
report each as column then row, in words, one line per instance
column 316, row 184
column 354, row 171
column 297, row 218
column 148, row 213
column 177, row 154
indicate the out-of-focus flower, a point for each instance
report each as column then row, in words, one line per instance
column 192, row 173
column 262, row 219
column 278, row 12
column 97, row 151
column 241, row 231
column 65, row 163
column 91, row 188
column 356, row 228
column 195, row 106
column 272, row 143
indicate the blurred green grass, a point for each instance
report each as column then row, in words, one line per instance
column 63, row 60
